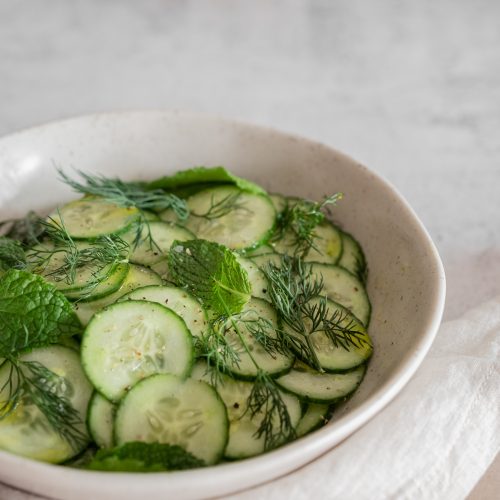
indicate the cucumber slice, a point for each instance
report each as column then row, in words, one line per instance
column 162, row 235
column 137, row 277
column 274, row 363
column 168, row 409
column 344, row 288
column 353, row 258
column 26, row 431
column 262, row 249
column 231, row 217
column 100, row 420
column 327, row 244
column 314, row 387
column 243, row 441
column 314, row 417
column 91, row 216
column 129, row 341
column 256, row 277
column 265, row 259
column 337, row 358
column 177, row 299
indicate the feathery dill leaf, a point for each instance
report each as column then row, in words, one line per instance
column 265, row 399
column 300, row 218
column 99, row 257
column 296, row 295
column 126, row 194
column 222, row 207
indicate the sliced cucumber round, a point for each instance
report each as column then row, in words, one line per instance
column 257, row 320
column 344, row 288
column 231, row 217
column 26, row 430
column 265, row 259
column 314, row 417
column 256, row 277
column 352, row 258
column 168, row 409
column 244, row 440
column 136, row 277
column 354, row 346
column 100, row 420
column 327, row 244
column 156, row 238
column 91, row 216
column 177, row 299
column 129, row 341
column 314, row 387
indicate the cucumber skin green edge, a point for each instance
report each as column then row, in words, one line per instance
column 119, row 404
column 267, row 236
column 99, row 296
column 331, row 402
column 188, row 374
column 368, row 316
column 249, row 378
column 363, row 277
column 340, row 371
column 89, row 411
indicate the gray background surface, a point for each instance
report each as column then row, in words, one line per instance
column 409, row 88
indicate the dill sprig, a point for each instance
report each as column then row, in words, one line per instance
column 300, row 218
column 222, row 207
column 296, row 295
column 130, row 194
column 100, row 257
column 265, row 399
column 126, row 194
column 33, row 383
column 217, row 350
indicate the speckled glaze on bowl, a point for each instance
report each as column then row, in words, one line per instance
column 406, row 278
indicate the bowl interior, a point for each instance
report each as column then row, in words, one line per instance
column 405, row 284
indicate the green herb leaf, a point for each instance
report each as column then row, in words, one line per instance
column 34, row 313
column 127, row 194
column 144, row 457
column 210, row 272
column 300, row 218
column 11, row 254
column 203, row 176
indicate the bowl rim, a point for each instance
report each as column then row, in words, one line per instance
column 311, row 446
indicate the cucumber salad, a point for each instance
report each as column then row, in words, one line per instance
column 178, row 323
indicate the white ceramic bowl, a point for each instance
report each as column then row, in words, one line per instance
column 406, row 279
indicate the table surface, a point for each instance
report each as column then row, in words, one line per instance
column 411, row 89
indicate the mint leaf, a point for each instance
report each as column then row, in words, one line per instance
column 144, row 457
column 210, row 272
column 200, row 177
column 11, row 254
column 33, row 312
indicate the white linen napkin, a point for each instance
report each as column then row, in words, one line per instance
column 434, row 441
